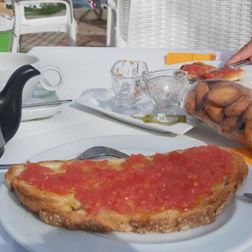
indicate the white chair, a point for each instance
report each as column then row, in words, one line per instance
column 180, row 24
column 62, row 23
column 111, row 22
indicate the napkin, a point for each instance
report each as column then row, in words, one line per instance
column 178, row 57
column 246, row 153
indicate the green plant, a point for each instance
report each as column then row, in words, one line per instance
column 46, row 9
column 9, row 6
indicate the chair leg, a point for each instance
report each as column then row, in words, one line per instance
column 111, row 27
column 72, row 32
column 15, row 44
column 16, row 37
column 99, row 13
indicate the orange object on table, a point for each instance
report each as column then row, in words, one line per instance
column 178, row 57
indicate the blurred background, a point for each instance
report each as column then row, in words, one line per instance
column 91, row 17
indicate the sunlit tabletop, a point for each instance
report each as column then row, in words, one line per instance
column 84, row 68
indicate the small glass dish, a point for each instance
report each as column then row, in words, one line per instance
column 166, row 89
column 127, row 84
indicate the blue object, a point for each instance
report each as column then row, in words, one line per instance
column 80, row 3
column 88, row 3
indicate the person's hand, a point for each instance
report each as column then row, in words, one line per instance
column 244, row 53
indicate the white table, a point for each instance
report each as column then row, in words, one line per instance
column 83, row 68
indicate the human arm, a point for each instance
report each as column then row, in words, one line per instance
column 244, row 53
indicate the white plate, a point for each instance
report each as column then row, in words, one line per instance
column 232, row 230
column 101, row 100
column 39, row 113
column 36, row 113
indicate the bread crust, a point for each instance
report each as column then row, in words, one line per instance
column 67, row 212
column 225, row 73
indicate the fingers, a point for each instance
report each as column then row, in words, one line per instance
column 244, row 53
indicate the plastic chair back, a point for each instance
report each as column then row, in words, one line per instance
column 56, row 23
column 180, row 24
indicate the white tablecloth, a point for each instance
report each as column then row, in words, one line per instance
column 83, row 68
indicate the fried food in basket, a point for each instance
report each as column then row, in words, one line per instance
column 215, row 113
column 201, row 90
column 190, row 103
column 226, row 107
column 248, row 113
column 223, row 94
column 229, row 124
column 238, row 107
column 248, row 133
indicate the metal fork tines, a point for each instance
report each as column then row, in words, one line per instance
column 47, row 103
column 248, row 195
column 5, row 166
column 97, row 152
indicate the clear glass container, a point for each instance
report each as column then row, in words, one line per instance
column 127, row 85
column 166, row 89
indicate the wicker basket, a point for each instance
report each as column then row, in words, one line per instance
column 184, row 24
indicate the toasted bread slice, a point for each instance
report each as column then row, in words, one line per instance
column 160, row 193
column 200, row 70
column 225, row 73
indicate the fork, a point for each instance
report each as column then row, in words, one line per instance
column 240, row 63
column 234, row 65
column 248, row 195
column 101, row 152
column 46, row 104
column 95, row 152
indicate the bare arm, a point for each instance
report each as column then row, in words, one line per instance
column 244, row 53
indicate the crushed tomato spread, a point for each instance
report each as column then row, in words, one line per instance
column 140, row 184
column 197, row 69
column 224, row 72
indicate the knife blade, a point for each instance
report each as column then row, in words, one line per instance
column 47, row 103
